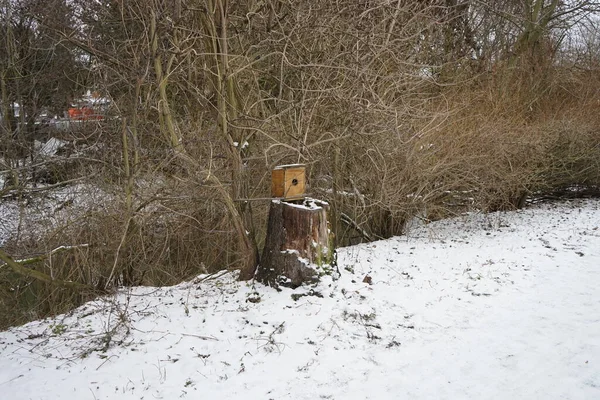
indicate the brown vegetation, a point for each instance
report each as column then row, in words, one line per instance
column 400, row 109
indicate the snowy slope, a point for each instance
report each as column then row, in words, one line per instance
column 499, row 306
column 48, row 209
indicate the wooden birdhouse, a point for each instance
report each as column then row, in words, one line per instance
column 289, row 182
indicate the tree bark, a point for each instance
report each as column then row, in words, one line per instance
column 297, row 243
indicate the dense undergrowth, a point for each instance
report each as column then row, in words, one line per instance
column 394, row 120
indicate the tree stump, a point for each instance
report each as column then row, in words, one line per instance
column 297, row 243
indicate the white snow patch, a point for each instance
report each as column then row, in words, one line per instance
column 52, row 146
column 289, row 166
column 307, row 204
column 48, row 209
column 499, row 306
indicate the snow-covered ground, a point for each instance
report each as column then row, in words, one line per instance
column 499, row 306
column 47, row 210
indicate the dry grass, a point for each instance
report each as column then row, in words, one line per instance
column 485, row 146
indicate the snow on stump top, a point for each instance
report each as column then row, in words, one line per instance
column 297, row 243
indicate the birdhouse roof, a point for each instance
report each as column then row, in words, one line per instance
column 287, row 166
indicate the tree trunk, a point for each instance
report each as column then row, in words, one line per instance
column 215, row 24
column 297, row 243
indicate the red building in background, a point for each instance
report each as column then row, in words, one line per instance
column 91, row 107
